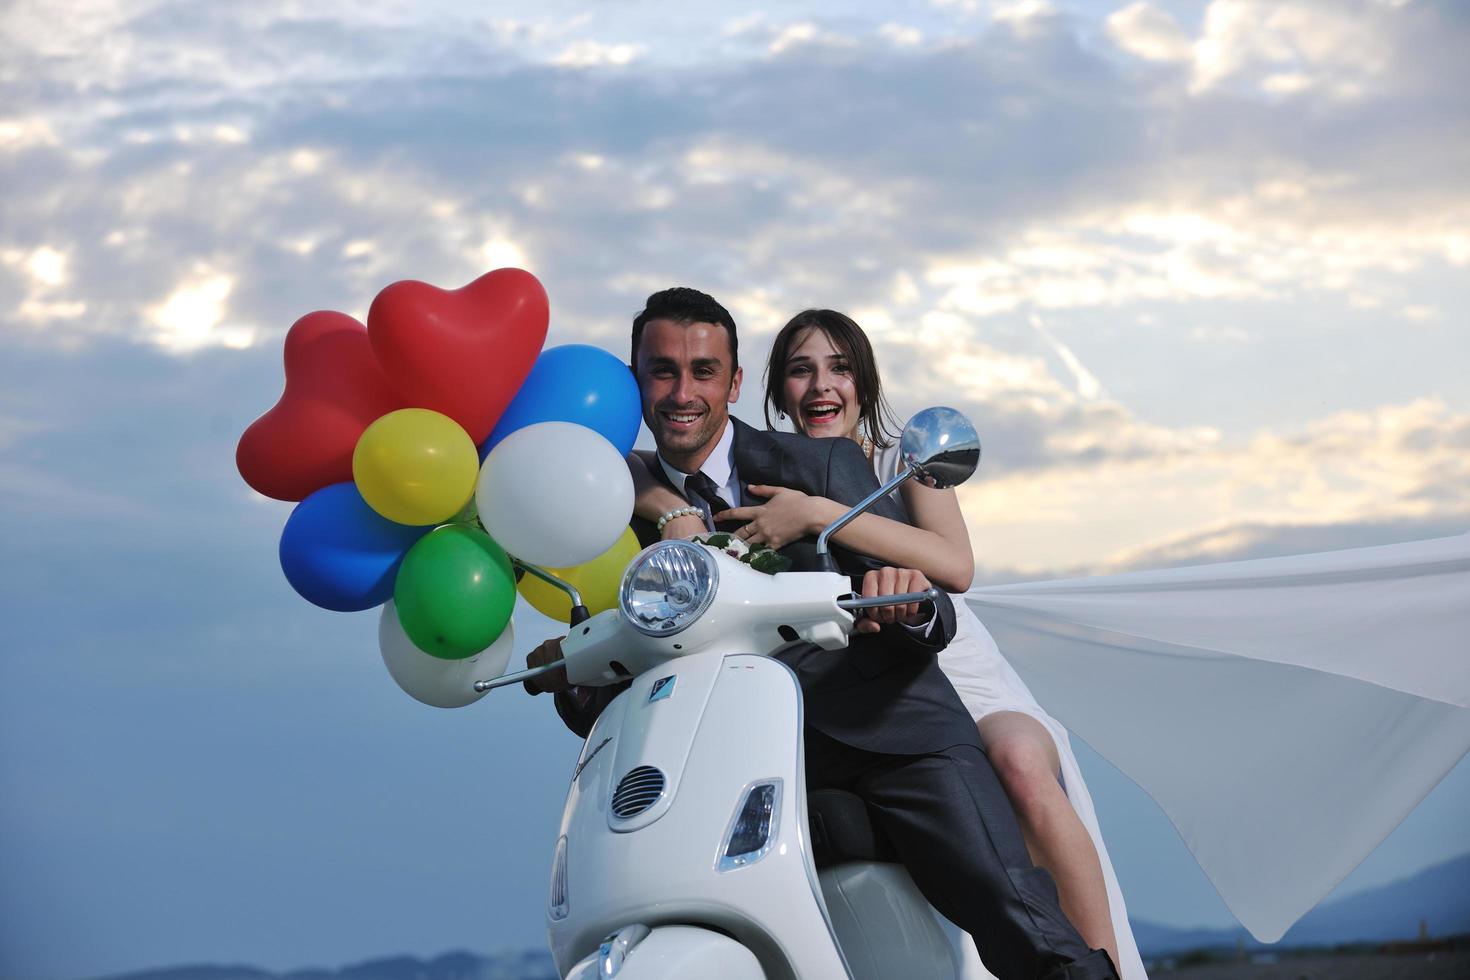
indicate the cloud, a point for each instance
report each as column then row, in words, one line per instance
column 1401, row 464
column 1055, row 183
column 972, row 198
column 193, row 314
column 1148, row 32
column 1287, row 48
column 588, row 54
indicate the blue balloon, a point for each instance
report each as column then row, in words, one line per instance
column 575, row 383
column 339, row 553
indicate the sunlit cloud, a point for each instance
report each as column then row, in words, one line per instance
column 1018, row 12
column 498, row 253
column 1252, row 246
column 22, row 133
column 591, row 54
column 901, row 35
column 1405, row 462
column 1148, row 32
column 47, row 266
column 192, row 316
column 1279, row 48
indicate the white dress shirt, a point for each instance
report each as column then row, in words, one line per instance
column 719, row 466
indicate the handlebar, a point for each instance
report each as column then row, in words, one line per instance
column 930, row 594
column 853, row 604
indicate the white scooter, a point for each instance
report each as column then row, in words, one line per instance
column 689, row 846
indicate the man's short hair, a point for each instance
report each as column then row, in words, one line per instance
column 683, row 305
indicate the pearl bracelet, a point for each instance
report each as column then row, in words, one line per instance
column 681, row 512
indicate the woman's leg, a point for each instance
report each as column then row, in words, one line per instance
column 1025, row 758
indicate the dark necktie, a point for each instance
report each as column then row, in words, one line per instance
column 702, row 485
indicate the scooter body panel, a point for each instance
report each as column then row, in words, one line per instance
column 886, row 927
column 741, row 721
column 678, row 951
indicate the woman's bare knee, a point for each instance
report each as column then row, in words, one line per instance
column 1019, row 742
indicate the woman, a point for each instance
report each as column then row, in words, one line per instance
column 822, row 374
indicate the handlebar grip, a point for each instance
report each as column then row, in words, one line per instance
column 926, row 612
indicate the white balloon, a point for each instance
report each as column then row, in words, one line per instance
column 555, row 494
column 434, row 681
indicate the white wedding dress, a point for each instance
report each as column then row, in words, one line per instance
column 987, row 683
column 1285, row 713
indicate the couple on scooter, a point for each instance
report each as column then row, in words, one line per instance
column 883, row 721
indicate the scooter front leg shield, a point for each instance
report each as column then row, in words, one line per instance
column 741, row 722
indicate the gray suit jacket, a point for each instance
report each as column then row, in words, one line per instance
column 885, row 692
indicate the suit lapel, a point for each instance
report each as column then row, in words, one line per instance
column 758, row 459
column 651, row 462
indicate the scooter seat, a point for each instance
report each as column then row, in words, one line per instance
column 842, row 830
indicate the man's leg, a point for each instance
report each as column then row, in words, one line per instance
column 951, row 823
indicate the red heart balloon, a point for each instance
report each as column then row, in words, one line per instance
column 334, row 390
column 461, row 352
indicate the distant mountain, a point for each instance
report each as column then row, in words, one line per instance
column 1438, row 896
column 524, row 965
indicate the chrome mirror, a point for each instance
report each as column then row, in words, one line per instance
column 941, row 447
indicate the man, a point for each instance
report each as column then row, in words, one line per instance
column 882, row 720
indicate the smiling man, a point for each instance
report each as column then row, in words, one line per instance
column 688, row 374
column 882, row 721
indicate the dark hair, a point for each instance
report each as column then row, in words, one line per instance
column 683, row 305
column 876, row 418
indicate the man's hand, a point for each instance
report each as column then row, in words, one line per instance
column 553, row 680
column 891, row 581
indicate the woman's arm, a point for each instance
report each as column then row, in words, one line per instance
column 652, row 500
column 938, row 545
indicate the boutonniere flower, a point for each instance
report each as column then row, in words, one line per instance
column 761, row 557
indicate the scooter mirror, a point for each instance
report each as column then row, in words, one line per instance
column 941, row 446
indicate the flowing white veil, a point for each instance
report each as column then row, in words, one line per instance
column 1285, row 713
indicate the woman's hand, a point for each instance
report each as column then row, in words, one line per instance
column 684, row 527
column 786, row 517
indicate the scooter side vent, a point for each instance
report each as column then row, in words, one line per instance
column 637, row 791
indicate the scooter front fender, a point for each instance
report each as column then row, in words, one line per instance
column 673, row 953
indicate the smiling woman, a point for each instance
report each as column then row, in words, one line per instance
column 828, row 362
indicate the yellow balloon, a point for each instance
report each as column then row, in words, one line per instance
column 415, row 466
column 597, row 581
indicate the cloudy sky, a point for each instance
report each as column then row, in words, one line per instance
column 1197, row 270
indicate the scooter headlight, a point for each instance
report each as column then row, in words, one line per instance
column 668, row 586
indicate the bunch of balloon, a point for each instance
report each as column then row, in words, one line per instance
column 429, row 446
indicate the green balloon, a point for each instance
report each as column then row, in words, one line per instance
column 454, row 592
